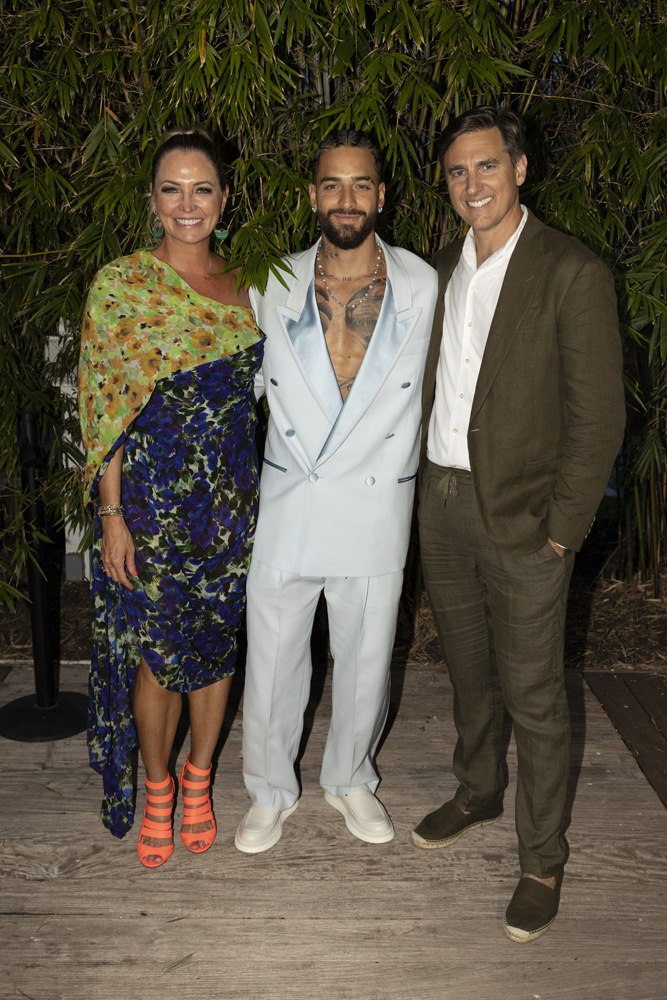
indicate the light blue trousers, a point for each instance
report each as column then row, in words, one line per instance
column 362, row 622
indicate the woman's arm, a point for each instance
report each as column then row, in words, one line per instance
column 117, row 544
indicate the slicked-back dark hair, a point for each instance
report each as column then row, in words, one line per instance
column 348, row 137
column 508, row 123
column 190, row 140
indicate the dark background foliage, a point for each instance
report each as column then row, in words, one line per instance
column 88, row 86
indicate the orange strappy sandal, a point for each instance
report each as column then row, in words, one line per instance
column 157, row 805
column 197, row 809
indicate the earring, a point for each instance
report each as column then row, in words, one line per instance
column 154, row 223
column 380, row 208
column 221, row 234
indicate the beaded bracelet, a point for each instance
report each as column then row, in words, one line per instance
column 111, row 510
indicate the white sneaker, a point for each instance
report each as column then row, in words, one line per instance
column 364, row 815
column 261, row 828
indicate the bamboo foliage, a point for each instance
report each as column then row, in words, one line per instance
column 88, row 86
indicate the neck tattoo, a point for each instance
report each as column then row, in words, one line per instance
column 373, row 279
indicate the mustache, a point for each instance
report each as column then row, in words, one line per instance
column 344, row 211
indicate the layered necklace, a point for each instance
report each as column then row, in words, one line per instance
column 345, row 305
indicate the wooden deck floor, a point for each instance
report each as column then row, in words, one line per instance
column 323, row 915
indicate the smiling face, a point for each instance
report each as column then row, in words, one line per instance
column 347, row 195
column 187, row 196
column 484, row 186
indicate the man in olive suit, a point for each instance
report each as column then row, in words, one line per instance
column 523, row 417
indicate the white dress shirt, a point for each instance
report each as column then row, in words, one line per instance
column 470, row 303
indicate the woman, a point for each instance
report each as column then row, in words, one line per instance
column 169, row 350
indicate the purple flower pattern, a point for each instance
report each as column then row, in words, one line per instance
column 189, row 489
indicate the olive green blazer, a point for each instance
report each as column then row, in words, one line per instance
column 548, row 413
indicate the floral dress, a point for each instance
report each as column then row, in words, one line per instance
column 189, row 489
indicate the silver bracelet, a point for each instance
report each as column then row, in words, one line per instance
column 111, row 510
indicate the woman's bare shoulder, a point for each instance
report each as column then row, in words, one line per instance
column 228, row 290
column 241, row 291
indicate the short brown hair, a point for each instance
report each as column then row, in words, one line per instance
column 508, row 123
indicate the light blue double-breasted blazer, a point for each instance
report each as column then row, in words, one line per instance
column 338, row 479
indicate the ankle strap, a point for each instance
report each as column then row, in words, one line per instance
column 157, row 785
column 197, row 770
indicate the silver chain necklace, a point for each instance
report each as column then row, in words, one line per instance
column 373, row 280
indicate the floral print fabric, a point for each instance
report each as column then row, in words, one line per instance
column 189, row 488
column 143, row 322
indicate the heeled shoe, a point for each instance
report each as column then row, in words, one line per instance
column 162, row 805
column 197, row 809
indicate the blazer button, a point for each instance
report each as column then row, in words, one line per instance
column 370, row 481
column 273, row 381
column 290, row 432
column 313, row 477
column 406, row 385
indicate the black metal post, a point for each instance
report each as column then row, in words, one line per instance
column 46, row 677
column 46, row 716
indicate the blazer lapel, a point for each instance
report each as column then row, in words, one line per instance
column 304, row 331
column 523, row 279
column 394, row 326
column 445, row 263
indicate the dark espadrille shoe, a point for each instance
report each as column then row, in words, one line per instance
column 448, row 823
column 532, row 910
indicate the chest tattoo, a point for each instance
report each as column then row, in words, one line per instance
column 348, row 327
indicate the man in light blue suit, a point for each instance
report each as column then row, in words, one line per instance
column 343, row 367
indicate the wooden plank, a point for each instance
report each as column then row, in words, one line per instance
column 373, row 958
column 650, row 690
column 446, row 891
column 635, row 726
column 314, row 843
column 323, row 915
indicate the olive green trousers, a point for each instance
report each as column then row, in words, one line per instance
column 501, row 622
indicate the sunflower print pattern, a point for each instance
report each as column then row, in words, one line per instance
column 142, row 322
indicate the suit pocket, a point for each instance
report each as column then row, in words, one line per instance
column 274, row 466
column 544, row 555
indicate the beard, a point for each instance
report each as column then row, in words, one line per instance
column 347, row 237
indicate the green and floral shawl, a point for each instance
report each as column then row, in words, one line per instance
column 144, row 322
